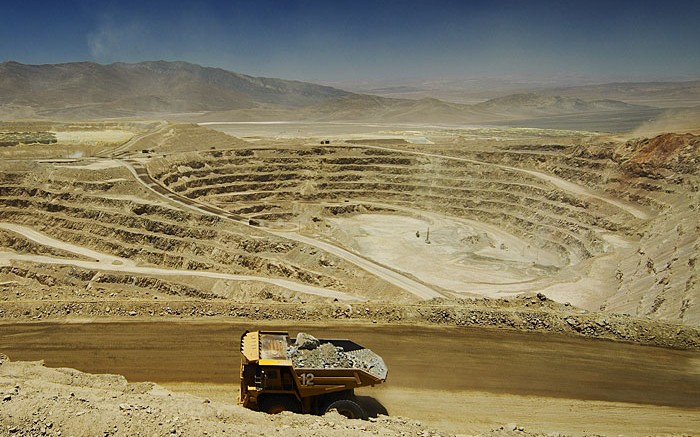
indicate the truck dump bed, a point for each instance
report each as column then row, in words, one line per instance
column 326, row 358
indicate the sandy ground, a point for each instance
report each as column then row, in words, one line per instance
column 64, row 402
column 96, row 164
column 93, row 136
column 406, row 282
column 287, row 129
column 467, row 258
column 476, row 413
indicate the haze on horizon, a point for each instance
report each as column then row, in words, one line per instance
column 354, row 41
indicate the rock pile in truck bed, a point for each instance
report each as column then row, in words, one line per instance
column 309, row 352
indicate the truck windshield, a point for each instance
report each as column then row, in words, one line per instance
column 273, row 347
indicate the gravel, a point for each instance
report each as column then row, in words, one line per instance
column 310, row 352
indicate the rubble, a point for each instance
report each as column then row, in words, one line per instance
column 310, row 352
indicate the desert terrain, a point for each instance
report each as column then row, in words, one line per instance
column 517, row 280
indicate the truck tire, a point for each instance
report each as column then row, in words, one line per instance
column 277, row 404
column 348, row 408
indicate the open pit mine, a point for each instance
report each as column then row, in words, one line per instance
column 507, row 258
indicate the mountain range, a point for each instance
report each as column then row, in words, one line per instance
column 87, row 90
column 156, row 87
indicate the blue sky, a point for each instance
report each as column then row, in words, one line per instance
column 367, row 40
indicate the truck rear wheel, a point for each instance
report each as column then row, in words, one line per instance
column 277, row 404
column 348, row 408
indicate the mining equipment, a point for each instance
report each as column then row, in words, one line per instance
column 306, row 375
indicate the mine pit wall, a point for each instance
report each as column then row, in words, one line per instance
column 660, row 279
column 101, row 210
column 657, row 276
column 249, row 181
column 657, row 279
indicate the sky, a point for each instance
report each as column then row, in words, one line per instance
column 364, row 40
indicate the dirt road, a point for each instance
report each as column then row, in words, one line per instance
column 415, row 287
column 457, row 379
column 107, row 262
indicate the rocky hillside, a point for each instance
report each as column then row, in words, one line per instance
column 662, row 276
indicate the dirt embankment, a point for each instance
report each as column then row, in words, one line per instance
column 525, row 313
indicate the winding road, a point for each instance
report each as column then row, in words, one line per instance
column 406, row 283
column 105, row 262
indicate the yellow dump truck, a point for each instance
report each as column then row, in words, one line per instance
column 306, row 375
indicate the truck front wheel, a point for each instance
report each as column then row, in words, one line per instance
column 277, row 404
column 348, row 408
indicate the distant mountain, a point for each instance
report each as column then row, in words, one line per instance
column 659, row 94
column 663, row 94
column 530, row 104
column 559, row 112
column 359, row 107
column 85, row 88
column 526, row 110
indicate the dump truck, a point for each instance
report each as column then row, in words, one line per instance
column 306, row 375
